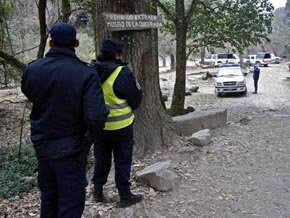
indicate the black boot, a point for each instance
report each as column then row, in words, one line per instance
column 127, row 198
column 98, row 193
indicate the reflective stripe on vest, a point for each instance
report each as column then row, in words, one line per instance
column 121, row 114
column 117, row 106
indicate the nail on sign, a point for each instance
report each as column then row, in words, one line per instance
column 121, row 22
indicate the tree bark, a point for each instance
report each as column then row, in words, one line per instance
column 202, row 55
column 163, row 60
column 5, row 76
column 42, row 27
column 153, row 127
column 94, row 18
column 177, row 106
column 66, row 10
column 101, row 30
column 172, row 62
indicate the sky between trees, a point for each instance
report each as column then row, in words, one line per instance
column 278, row 3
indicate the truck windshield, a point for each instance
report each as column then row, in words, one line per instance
column 223, row 72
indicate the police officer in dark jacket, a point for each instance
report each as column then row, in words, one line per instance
column 122, row 95
column 256, row 76
column 68, row 105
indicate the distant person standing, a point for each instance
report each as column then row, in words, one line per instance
column 68, row 105
column 256, row 76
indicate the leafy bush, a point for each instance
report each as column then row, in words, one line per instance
column 13, row 169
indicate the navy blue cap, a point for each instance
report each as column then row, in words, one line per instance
column 62, row 32
column 110, row 46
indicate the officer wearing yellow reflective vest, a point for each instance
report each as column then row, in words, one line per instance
column 120, row 112
column 122, row 95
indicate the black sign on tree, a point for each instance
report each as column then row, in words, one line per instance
column 121, row 22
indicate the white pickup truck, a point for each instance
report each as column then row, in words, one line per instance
column 263, row 59
column 230, row 80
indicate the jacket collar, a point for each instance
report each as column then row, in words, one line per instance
column 59, row 51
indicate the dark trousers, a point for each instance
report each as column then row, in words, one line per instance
column 256, row 84
column 122, row 152
column 62, row 183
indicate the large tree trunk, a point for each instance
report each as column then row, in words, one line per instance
column 177, row 106
column 42, row 27
column 153, row 127
column 102, row 32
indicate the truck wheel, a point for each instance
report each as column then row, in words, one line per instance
column 219, row 94
column 245, row 92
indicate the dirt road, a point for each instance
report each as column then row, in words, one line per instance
column 244, row 172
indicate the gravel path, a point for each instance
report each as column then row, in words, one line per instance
column 244, row 172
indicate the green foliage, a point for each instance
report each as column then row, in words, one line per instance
column 229, row 22
column 169, row 26
column 6, row 8
column 13, row 169
column 246, row 22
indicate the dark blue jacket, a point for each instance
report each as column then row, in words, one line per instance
column 67, row 101
column 125, row 87
column 256, row 73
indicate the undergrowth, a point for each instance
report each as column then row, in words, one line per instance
column 13, row 169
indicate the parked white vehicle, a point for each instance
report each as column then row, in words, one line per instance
column 275, row 59
column 222, row 58
column 250, row 60
column 230, row 80
column 263, row 59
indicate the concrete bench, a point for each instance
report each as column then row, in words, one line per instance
column 192, row 122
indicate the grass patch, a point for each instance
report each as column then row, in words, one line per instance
column 13, row 169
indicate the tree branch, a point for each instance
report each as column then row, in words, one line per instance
column 12, row 102
column 191, row 50
column 169, row 15
column 29, row 49
column 191, row 10
column 12, row 60
column 207, row 9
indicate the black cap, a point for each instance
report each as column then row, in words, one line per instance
column 62, row 32
column 111, row 47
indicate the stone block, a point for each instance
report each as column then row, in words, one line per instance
column 192, row 122
column 201, row 138
column 158, row 176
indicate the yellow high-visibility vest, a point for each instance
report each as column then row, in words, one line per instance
column 121, row 114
